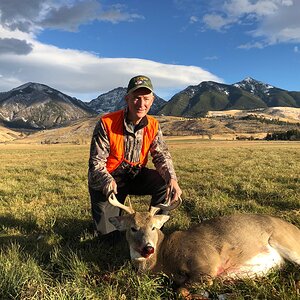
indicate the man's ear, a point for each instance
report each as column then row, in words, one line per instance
column 160, row 220
column 118, row 222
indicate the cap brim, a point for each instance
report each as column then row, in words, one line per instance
column 139, row 87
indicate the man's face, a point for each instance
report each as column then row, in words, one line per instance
column 139, row 103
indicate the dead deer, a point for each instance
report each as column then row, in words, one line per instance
column 229, row 247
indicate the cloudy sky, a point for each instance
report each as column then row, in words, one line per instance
column 88, row 47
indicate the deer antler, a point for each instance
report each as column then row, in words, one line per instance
column 114, row 201
column 165, row 206
column 153, row 210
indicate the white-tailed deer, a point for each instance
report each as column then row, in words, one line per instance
column 230, row 247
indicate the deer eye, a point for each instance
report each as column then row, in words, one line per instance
column 133, row 229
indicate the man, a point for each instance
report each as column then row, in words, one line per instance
column 118, row 156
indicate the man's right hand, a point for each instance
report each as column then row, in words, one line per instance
column 173, row 190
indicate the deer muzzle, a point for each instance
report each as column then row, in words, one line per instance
column 147, row 251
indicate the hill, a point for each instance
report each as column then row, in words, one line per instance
column 282, row 114
column 38, row 106
column 34, row 106
column 230, row 126
column 8, row 135
column 196, row 101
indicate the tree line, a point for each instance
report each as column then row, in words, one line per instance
column 290, row 135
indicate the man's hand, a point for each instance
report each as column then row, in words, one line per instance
column 112, row 186
column 173, row 190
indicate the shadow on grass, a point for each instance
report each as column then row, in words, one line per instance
column 69, row 236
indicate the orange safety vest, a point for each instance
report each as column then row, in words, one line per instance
column 114, row 126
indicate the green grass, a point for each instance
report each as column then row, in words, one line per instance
column 47, row 246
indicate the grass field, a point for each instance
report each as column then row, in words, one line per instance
column 47, row 247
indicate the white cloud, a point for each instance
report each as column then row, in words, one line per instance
column 276, row 21
column 214, row 57
column 193, row 19
column 216, row 21
column 116, row 14
column 83, row 74
column 34, row 15
column 257, row 45
column 16, row 46
column 282, row 27
column 258, row 8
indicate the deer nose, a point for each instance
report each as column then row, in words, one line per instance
column 147, row 251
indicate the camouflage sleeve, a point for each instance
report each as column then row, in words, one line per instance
column 98, row 176
column 161, row 157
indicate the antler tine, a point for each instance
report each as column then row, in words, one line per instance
column 168, row 206
column 129, row 202
column 114, row 201
column 153, row 210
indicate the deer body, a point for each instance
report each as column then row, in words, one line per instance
column 236, row 246
column 230, row 247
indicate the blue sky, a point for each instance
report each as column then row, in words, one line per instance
column 86, row 48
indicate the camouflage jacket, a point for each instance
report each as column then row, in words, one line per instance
column 99, row 177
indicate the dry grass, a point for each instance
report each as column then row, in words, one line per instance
column 47, row 247
column 223, row 128
column 284, row 114
column 7, row 135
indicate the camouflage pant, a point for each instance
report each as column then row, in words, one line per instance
column 147, row 182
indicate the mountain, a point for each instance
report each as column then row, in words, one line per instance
column 115, row 100
column 108, row 102
column 271, row 95
column 195, row 101
column 38, row 106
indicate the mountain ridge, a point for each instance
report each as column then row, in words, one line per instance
column 195, row 101
column 38, row 106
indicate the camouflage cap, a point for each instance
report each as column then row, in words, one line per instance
column 139, row 81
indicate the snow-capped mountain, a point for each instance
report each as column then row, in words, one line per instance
column 254, row 86
column 109, row 101
column 115, row 100
column 211, row 96
column 39, row 106
column 271, row 95
column 35, row 105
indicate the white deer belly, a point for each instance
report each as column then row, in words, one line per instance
column 258, row 265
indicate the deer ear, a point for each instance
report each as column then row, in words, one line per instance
column 160, row 220
column 118, row 222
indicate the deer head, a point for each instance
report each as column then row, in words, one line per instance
column 142, row 228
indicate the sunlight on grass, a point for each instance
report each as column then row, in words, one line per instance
column 48, row 250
